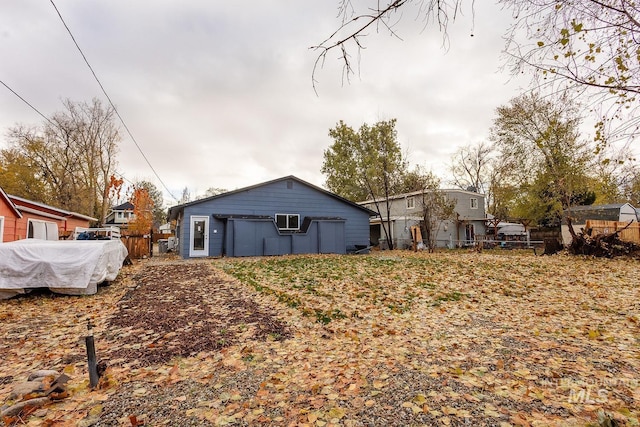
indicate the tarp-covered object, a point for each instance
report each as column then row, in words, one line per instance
column 68, row 267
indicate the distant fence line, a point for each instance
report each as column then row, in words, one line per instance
column 485, row 241
column 629, row 234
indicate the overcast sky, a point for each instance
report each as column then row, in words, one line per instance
column 219, row 94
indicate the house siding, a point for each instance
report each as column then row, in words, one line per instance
column 254, row 237
column 16, row 227
column 237, row 236
column 22, row 225
column 9, row 221
column 451, row 232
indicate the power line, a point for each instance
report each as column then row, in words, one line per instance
column 115, row 173
column 52, row 123
column 28, row 103
column 111, row 103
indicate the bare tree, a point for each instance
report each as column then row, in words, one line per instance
column 357, row 20
column 186, row 196
column 213, row 191
column 73, row 154
column 96, row 137
column 471, row 166
column 436, row 208
column 589, row 47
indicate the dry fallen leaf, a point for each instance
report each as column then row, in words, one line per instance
column 496, row 338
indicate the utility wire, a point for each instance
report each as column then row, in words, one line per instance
column 28, row 103
column 111, row 103
column 56, row 126
column 53, row 124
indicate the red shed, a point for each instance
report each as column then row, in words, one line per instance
column 21, row 218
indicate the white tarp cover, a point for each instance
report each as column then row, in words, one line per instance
column 71, row 267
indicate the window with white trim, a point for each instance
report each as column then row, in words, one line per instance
column 473, row 203
column 1, row 228
column 288, row 222
column 411, row 202
column 44, row 230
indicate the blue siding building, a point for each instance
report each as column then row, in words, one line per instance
column 283, row 216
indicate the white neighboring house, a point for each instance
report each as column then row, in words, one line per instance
column 622, row 212
column 406, row 211
column 121, row 215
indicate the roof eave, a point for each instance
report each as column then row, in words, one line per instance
column 181, row 207
column 12, row 205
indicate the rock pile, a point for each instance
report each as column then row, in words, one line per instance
column 42, row 387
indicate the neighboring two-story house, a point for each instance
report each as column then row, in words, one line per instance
column 121, row 215
column 406, row 210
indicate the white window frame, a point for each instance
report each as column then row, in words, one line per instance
column 204, row 252
column 288, row 221
column 411, row 202
column 50, row 229
column 473, row 203
column 1, row 229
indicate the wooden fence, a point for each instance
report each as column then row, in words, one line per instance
column 630, row 234
column 138, row 246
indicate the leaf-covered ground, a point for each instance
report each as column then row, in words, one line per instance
column 391, row 338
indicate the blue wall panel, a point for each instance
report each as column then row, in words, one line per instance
column 331, row 236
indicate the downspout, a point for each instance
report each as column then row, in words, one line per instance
column 225, row 223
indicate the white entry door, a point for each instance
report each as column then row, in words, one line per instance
column 199, row 245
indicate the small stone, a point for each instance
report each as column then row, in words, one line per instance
column 89, row 421
column 42, row 373
column 22, row 389
column 18, row 407
column 41, row 413
column 140, row 392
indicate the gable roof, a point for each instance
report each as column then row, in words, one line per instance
column 27, row 205
column 610, row 206
column 174, row 210
column 126, row 206
column 609, row 212
column 10, row 203
column 419, row 192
